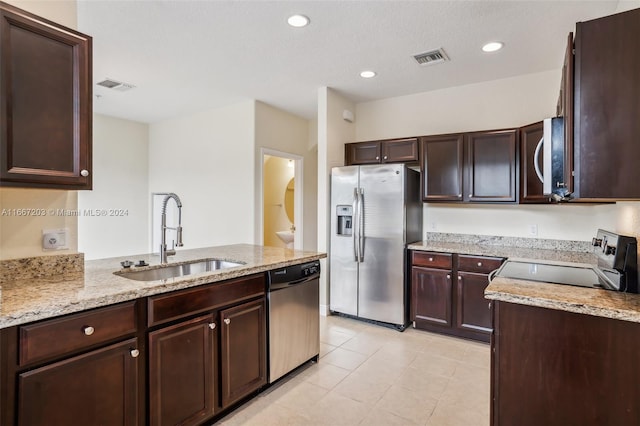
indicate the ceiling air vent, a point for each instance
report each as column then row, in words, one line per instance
column 115, row 85
column 432, row 57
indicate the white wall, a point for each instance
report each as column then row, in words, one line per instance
column 120, row 183
column 333, row 133
column 281, row 131
column 624, row 5
column 208, row 160
column 511, row 102
column 21, row 236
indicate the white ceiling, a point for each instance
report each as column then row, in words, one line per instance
column 186, row 56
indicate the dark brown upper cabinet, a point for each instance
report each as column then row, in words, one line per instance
column 606, row 107
column 442, row 165
column 380, row 152
column 530, row 185
column 471, row 167
column 491, row 166
column 45, row 103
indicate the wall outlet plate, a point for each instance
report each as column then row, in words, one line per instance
column 54, row 239
column 533, row 230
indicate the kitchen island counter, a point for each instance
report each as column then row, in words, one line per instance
column 93, row 284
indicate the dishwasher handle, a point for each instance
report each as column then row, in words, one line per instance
column 282, row 286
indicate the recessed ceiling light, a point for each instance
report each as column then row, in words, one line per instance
column 298, row 21
column 493, row 46
column 367, row 74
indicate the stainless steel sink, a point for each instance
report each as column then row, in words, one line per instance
column 174, row 271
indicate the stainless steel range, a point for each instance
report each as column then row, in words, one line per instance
column 617, row 267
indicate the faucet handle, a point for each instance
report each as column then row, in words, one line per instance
column 179, row 236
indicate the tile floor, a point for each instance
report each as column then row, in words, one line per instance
column 371, row 375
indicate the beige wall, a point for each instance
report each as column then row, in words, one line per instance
column 624, row 5
column 333, row 133
column 277, row 174
column 208, row 160
column 511, row 102
column 121, row 184
column 284, row 132
column 22, row 236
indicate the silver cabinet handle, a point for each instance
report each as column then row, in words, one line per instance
column 489, row 305
column 431, row 259
column 377, row 157
column 212, row 325
column 479, row 263
column 227, row 321
column 385, row 157
column 448, row 276
column 84, row 173
column 459, row 278
column 88, row 330
column 134, row 353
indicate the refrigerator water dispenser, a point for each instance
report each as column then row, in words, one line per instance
column 344, row 214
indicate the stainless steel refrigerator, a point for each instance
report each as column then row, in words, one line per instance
column 375, row 211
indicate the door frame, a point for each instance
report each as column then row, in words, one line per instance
column 298, row 198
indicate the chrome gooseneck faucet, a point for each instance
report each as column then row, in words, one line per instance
column 163, row 231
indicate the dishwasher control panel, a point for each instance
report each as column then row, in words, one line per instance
column 293, row 273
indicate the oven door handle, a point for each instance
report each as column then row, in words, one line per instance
column 492, row 274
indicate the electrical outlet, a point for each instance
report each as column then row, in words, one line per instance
column 433, row 227
column 54, row 239
column 533, row 230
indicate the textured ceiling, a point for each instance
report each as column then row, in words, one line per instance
column 187, row 56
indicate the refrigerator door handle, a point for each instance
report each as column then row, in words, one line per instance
column 354, row 230
column 361, row 226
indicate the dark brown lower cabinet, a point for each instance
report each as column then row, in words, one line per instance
column 96, row 388
column 183, row 372
column 439, row 305
column 243, row 350
column 557, row 368
column 431, row 296
column 473, row 310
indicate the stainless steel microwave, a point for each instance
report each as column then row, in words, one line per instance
column 552, row 173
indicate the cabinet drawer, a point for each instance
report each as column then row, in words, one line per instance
column 478, row 264
column 75, row 332
column 180, row 304
column 432, row 259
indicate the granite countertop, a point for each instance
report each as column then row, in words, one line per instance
column 580, row 300
column 66, row 289
column 588, row 301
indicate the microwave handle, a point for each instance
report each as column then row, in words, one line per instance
column 536, row 163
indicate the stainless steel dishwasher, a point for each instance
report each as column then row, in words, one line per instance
column 294, row 317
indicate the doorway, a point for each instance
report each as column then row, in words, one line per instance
column 282, row 190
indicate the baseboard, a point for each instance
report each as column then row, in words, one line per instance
column 324, row 310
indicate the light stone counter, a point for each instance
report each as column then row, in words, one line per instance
column 588, row 301
column 31, row 295
column 580, row 300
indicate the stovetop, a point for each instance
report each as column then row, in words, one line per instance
column 617, row 266
column 556, row 274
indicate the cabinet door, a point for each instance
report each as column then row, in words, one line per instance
column 362, row 153
column 431, row 296
column 45, row 97
column 243, row 350
column 473, row 310
column 491, row 166
column 530, row 185
column 400, row 151
column 607, row 101
column 97, row 388
column 182, row 372
column 441, row 166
